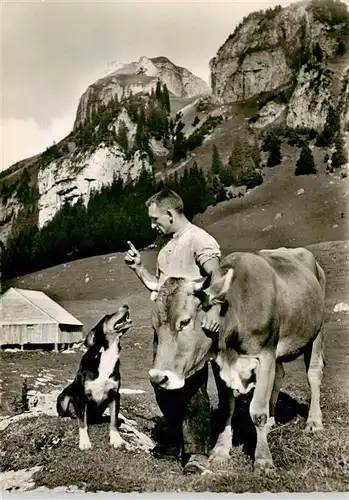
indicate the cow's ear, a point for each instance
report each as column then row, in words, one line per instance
column 217, row 291
column 90, row 338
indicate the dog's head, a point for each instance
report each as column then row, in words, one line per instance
column 111, row 327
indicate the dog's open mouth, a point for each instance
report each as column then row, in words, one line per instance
column 123, row 320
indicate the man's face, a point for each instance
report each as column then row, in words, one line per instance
column 160, row 219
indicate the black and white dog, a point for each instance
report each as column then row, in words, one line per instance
column 97, row 382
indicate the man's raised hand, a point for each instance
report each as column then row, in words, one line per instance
column 132, row 256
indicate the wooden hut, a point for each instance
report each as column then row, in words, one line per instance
column 28, row 317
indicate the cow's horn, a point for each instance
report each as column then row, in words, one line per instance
column 198, row 284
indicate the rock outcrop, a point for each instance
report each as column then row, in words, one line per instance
column 295, row 49
column 58, row 183
column 138, row 77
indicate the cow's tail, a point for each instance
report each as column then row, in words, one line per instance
column 320, row 274
column 321, row 277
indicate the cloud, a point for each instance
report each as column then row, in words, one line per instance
column 24, row 137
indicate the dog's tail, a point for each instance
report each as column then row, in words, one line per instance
column 65, row 406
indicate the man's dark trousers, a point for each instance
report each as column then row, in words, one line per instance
column 188, row 414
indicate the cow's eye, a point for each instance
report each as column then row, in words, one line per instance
column 184, row 322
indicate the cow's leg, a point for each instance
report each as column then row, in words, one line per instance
column 259, row 408
column 315, row 362
column 84, row 440
column 114, row 436
column 226, row 405
column 279, row 376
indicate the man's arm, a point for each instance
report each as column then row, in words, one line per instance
column 133, row 260
column 212, row 269
column 148, row 279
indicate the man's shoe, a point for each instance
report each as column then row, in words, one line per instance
column 197, row 464
column 167, row 452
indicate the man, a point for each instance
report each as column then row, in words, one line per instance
column 193, row 254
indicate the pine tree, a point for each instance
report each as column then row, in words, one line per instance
column 122, row 136
column 274, row 154
column 166, row 99
column 271, row 140
column 216, row 164
column 221, row 194
column 305, row 163
column 158, row 92
column 331, row 129
column 339, row 156
column 317, row 51
column 341, row 49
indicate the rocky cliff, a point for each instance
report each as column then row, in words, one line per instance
column 296, row 49
column 139, row 77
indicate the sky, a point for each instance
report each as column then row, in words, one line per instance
column 51, row 51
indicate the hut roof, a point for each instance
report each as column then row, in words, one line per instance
column 19, row 306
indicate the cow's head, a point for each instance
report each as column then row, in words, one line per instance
column 182, row 345
column 111, row 327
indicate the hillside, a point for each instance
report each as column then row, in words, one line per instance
column 271, row 215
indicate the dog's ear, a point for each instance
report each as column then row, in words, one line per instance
column 90, row 338
column 95, row 334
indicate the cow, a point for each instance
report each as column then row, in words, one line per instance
column 274, row 312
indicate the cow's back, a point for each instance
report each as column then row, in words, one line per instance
column 276, row 299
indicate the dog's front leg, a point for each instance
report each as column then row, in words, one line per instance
column 84, row 440
column 115, row 438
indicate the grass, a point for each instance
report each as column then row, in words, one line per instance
column 303, row 462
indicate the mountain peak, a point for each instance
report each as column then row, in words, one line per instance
column 137, row 77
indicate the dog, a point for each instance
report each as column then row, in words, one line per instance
column 97, row 382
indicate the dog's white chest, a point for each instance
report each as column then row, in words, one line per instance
column 98, row 389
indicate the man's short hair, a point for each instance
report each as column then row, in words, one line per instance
column 166, row 199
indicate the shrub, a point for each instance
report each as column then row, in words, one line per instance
column 249, row 178
column 271, row 141
column 195, row 121
column 341, row 49
column 331, row 12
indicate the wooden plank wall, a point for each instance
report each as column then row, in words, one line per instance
column 38, row 334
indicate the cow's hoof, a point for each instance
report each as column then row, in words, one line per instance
column 197, row 464
column 116, row 440
column 85, row 445
column 264, row 466
column 270, row 422
column 219, row 458
column 313, row 426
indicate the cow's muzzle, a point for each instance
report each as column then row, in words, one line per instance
column 165, row 379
